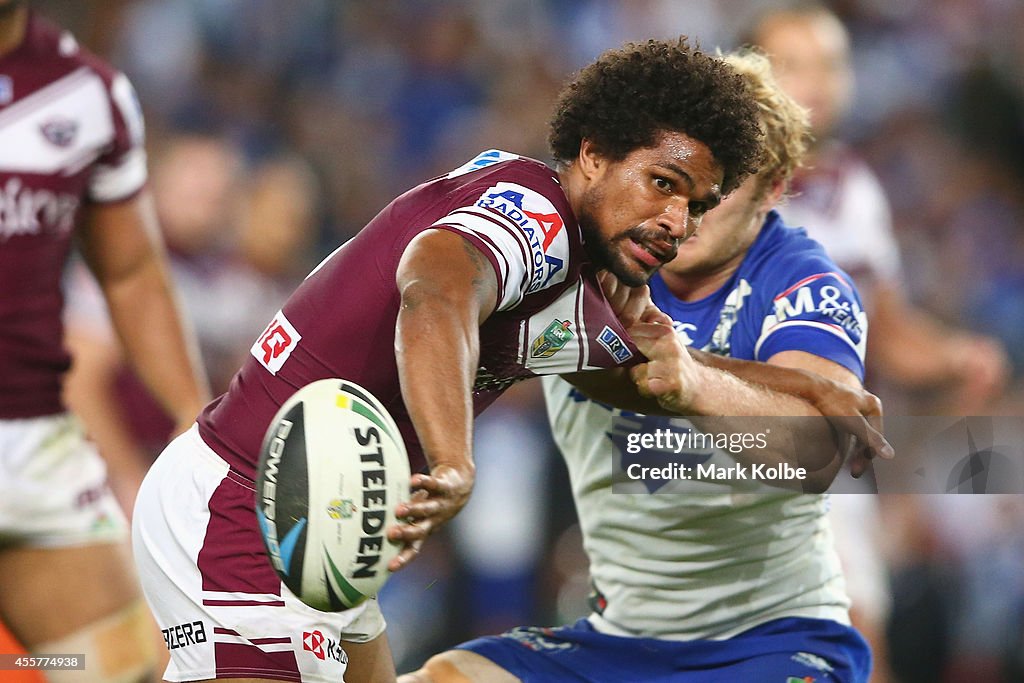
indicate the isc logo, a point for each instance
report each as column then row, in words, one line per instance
column 323, row 648
column 277, row 342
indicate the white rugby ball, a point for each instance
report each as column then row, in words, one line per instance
column 332, row 468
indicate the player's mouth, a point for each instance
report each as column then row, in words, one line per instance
column 651, row 254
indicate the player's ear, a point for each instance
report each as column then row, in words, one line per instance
column 590, row 161
column 776, row 188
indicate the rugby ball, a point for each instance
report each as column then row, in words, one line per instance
column 332, row 468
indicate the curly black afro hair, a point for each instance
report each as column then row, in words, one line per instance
column 629, row 96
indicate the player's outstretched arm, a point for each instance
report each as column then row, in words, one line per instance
column 848, row 406
column 121, row 243
column 448, row 290
column 688, row 388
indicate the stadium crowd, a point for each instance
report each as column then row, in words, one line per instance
column 276, row 129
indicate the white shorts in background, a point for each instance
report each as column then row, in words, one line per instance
column 223, row 610
column 53, row 486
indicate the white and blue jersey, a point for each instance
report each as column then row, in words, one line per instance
column 786, row 295
column 731, row 583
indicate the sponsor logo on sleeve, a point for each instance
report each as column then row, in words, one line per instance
column 817, row 296
column 614, row 345
column 542, row 226
column 276, row 344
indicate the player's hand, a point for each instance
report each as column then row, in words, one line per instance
column 630, row 304
column 436, row 498
column 856, row 413
column 670, row 376
column 982, row 369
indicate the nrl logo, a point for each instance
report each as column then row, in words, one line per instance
column 60, row 132
column 552, row 340
column 339, row 509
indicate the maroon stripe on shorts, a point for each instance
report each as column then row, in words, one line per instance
column 232, row 558
column 241, row 660
column 270, row 641
column 243, row 603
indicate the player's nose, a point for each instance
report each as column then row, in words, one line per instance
column 675, row 220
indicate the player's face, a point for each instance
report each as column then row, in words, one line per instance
column 635, row 212
column 725, row 234
column 810, row 56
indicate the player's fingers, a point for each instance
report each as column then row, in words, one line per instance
column 408, row 531
column 409, row 553
column 428, row 484
column 638, row 373
column 420, row 509
column 867, row 436
column 859, row 461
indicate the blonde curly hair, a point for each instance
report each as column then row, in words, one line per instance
column 785, row 124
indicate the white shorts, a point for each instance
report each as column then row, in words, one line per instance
column 222, row 609
column 53, row 486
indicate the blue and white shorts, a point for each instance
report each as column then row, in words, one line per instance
column 792, row 650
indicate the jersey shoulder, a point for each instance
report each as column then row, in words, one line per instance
column 783, row 255
column 513, row 208
column 50, row 46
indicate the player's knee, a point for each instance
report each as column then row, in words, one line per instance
column 119, row 648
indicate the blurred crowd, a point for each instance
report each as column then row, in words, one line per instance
column 277, row 129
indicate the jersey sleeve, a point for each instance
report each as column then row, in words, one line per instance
column 120, row 171
column 818, row 312
column 521, row 233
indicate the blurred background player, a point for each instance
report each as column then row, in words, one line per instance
column 72, row 167
column 917, row 363
column 240, row 237
column 708, row 582
column 842, row 203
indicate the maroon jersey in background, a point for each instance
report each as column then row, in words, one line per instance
column 70, row 133
column 551, row 317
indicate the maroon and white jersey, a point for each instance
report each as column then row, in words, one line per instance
column 551, row 316
column 842, row 204
column 70, row 133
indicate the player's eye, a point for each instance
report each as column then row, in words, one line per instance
column 698, row 209
column 663, row 184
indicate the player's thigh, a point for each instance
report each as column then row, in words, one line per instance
column 369, row 662
column 459, row 666
column 49, row 593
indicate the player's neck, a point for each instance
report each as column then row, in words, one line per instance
column 13, row 26
column 694, row 286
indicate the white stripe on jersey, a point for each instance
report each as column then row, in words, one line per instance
column 837, row 331
column 43, row 96
column 110, row 183
column 506, row 241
